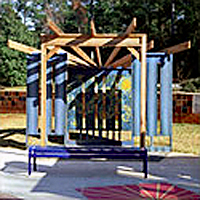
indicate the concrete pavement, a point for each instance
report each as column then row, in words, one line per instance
column 59, row 179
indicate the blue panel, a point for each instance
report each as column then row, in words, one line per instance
column 171, row 99
column 152, row 75
column 136, row 90
column 49, row 99
column 60, row 95
column 165, row 96
column 32, row 95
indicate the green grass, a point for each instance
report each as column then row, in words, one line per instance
column 186, row 137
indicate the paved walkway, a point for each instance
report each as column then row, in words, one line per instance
column 59, row 179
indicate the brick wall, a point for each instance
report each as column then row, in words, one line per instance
column 12, row 102
column 15, row 102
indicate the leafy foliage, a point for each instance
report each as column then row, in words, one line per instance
column 13, row 63
column 24, row 20
column 191, row 85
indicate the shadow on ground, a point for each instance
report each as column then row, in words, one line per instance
column 5, row 142
column 65, row 176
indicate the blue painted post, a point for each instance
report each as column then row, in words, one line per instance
column 136, row 85
column 49, row 99
column 60, row 94
column 152, row 75
column 166, row 97
column 171, row 100
column 32, row 95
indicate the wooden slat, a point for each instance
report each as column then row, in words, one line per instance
column 150, row 45
column 102, row 35
column 43, row 95
column 134, row 52
column 82, row 54
column 132, row 26
column 47, row 37
column 122, row 61
column 143, row 91
column 92, row 26
column 76, row 60
column 178, row 48
column 54, row 27
column 95, row 42
column 83, row 106
column 21, row 47
column 93, row 32
column 104, row 101
column 96, row 95
column 112, row 56
column 130, row 29
column 71, row 59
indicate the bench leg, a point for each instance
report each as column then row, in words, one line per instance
column 34, row 164
column 145, row 165
column 29, row 162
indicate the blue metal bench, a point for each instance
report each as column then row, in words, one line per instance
column 86, row 153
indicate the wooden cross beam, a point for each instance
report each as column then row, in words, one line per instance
column 21, row 47
column 54, row 27
column 79, row 51
column 93, row 32
column 130, row 29
column 134, row 52
column 98, row 40
column 177, row 48
column 72, row 60
column 126, row 60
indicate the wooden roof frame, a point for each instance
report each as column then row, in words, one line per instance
column 77, row 40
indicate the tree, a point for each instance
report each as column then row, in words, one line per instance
column 13, row 63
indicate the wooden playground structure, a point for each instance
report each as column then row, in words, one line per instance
column 135, row 43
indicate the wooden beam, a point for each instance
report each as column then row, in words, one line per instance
column 21, row 47
column 130, row 29
column 102, row 35
column 150, row 45
column 143, row 92
column 71, row 59
column 70, row 37
column 124, row 61
column 93, row 32
column 92, row 26
column 94, row 41
column 54, row 27
column 76, row 60
column 134, row 52
column 82, row 54
column 177, row 48
column 52, row 52
column 97, row 40
column 43, row 94
column 47, row 37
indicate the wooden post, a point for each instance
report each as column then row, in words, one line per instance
column 83, row 106
column 43, row 94
column 96, row 95
column 104, row 104
column 143, row 91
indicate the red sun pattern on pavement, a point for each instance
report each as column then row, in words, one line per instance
column 157, row 191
